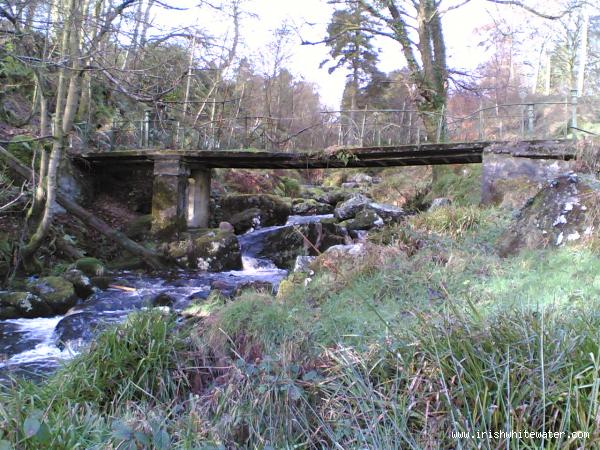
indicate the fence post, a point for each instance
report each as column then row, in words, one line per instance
column 146, row 127
column 112, row 134
column 440, row 125
column 481, row 126
column 573, row 110
column 530, row 119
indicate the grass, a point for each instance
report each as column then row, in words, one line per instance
column 428, row 334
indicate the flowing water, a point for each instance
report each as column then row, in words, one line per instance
column 31, row 347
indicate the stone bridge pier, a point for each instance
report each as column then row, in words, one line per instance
column 180, row 197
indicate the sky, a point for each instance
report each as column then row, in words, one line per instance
column 309, row 19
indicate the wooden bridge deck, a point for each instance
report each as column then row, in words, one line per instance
column 388, row 156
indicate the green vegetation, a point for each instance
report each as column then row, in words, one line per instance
column 429, row 334
column 460, row 183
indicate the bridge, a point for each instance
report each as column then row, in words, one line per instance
column 181, row 158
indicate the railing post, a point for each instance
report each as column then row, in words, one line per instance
column 112, row 134
column 146, row 127
column 574, row 94
column 440, row 125
column 530, row 119
column 481, row 125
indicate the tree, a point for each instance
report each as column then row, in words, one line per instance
column 417, row 27
column 351, row 48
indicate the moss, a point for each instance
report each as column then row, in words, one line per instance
column 57, row 292
column 92, row 267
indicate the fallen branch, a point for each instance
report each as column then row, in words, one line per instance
column 148, row 256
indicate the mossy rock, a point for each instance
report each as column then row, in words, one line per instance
column 273, row 210
column 214, row 250
column 57, row 292
column 8, row 312
column 309, row 207
column 92, row 267
column 81, row 283
column 364, row 220
column 24, row 304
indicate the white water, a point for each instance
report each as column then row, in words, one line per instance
column 38, row 330
column 31, row 342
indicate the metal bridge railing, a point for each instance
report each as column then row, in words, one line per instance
column 526, row 120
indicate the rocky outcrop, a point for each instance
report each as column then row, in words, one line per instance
column 349, row 208
column 562, row 213
column 273, row 210
column 212, row 251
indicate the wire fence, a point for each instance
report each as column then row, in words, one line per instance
column 345, row 128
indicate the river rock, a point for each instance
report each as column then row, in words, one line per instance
column 388, row 213
column 364, row 220
column 340, row 250
column 284, row 244
column 81, row 283
column 563, row 212
column 8, row 312
column 245, row 220
column 76, row 330
column 349, row 208
column 56, row 292
column 361, row 178
column 23, row 304
column 212, row 251
column 92, row 267
column 162, row 299
column 273, row 210
column 303, row 263
column 309, row 207
column 226, row 226
column 440, row 202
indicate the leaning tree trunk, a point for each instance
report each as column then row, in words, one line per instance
column 148, row 256
column 43, row 227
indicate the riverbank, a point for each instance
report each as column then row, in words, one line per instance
column 422, row 332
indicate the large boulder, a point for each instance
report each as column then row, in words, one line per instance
column 273, row 210
column 77, row 330
column 284, row 244
column 57, row 292
column 310, row 207
column 563, row 212
column 212, row 251
column 23, row 304
column 364, row 220
column 350, row 208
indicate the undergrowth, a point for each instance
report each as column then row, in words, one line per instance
column 426, row 334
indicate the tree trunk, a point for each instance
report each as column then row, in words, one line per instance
column 148, row 256
column 59, row 140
